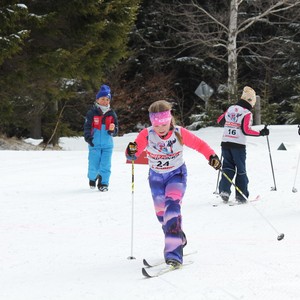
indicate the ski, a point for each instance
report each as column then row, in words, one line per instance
column 151, row 274
column 156, row 272
column 161, row 261
column 233, row 203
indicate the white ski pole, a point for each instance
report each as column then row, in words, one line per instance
column 274, row 187
column 217, row 185
column 294, row 190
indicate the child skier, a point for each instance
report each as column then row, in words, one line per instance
column 101, row 124
column 237, row 121
column 164, row 142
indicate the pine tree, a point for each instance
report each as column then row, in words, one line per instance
column 71, row 46
column 12, row 31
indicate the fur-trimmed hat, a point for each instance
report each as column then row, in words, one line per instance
column 104, row 92
column 249, row 95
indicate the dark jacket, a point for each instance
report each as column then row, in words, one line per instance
column 96, row 126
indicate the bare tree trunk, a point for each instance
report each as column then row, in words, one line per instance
column 257, row 112
column 232, row 51
column 208, row 28
column 54, row 139
column 36, row 127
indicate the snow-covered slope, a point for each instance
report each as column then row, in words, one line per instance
column 61, row 240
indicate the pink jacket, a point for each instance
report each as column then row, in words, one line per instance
column 189, row 139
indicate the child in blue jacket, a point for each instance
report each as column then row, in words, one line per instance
column 101, row 124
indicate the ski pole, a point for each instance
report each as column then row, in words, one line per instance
column 272, row 188
column 280, row 236
column 236, row 187
column 294, row 190
column 216, row 191
column 132, row 208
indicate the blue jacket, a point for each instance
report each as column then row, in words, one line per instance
column 96, row 127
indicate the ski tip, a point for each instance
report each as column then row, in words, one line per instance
column 145, row 273
column 146, row 263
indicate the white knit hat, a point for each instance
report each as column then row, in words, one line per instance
column 249, row 95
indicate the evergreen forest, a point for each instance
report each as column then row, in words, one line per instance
column 55, row 54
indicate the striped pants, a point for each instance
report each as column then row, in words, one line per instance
column 167, row 191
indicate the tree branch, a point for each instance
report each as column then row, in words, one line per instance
column 273, row 9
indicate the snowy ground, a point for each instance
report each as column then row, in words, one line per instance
column 61, row 240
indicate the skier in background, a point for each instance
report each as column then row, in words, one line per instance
column 237, row 121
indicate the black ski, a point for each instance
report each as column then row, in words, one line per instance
column 156, row 271
column 233, row 203
column 161, row 261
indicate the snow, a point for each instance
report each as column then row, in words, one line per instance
column 61, row 240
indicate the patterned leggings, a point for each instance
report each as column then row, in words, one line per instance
column 167, row 192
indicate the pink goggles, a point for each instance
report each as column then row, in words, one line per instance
column 160, row 118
